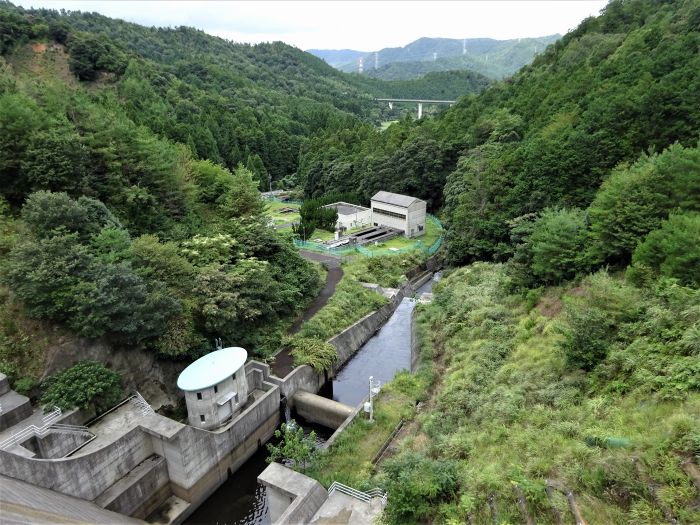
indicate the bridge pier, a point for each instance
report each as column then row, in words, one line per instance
column 420, row 110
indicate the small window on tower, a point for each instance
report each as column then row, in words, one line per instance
column 201, row 418
column 233, row 377
column 216, row 389
column 235, row 398
column 199, row 396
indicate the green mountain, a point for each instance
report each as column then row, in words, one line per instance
column 614, row 88
column 132, row 156
column 492, row 58
column 559, row 360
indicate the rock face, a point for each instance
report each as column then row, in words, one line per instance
column 141, row 370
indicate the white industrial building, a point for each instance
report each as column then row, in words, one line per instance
column 400, row 212
column 351, row 215
column 215, row 387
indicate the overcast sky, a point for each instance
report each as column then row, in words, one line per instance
column 363, row 25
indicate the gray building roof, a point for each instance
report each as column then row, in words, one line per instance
column 394, row 198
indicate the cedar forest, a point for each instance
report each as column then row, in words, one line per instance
column 564, row 340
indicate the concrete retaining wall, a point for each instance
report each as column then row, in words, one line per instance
column 415, row 342
column 301, row 378
column 85, row 476
column 292, row 497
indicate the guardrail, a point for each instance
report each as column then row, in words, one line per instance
column 358, row 494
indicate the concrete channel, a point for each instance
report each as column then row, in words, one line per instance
column 386, row 335
column 151, row 467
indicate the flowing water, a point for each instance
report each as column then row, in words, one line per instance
column 240, row 500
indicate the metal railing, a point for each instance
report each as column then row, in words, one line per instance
column 358, row 494
column 32, row 430
column 48, row 426
column 143, row 405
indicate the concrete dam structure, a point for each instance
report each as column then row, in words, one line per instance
column 142, row 459
column 137, row 462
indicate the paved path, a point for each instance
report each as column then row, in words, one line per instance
column 283, row 363
column 329, row 261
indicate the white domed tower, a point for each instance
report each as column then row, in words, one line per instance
column 215, row 387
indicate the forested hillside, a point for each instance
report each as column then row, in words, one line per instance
column 492, row 58
column 620, row 85
column 130, row 210
column 562, row 381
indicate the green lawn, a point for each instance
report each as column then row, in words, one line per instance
column 274, row 211
column 322, row 234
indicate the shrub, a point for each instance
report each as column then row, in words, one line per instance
column 557, row 243
column 314, row 352
column 87, row 383
column 671, row 251
column 417, row 484
column 294, row 447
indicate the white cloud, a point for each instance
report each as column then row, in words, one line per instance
column 360, row 25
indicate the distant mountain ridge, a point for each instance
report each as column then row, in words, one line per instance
column 490, row 57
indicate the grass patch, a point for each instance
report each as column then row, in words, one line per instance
column 273, row 210
column 510, row 407
column 432, row 234
column 386, row 270
column 316, row 353
column 322, row 235
column 350, row 303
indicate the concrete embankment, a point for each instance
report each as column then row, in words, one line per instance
column 153, row 459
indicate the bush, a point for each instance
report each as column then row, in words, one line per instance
column 557, row 243
column 671, row 251
column 294, row 447
column 86, row 384
column 314, row 352
column 418, row 484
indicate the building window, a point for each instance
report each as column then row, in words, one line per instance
column 216, row 389
column 199, row 395
column 389, row 213
column 201, row 418
column 235, row 398
column 233, row 377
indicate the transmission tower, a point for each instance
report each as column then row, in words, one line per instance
column 376, row 60
column 360, row 65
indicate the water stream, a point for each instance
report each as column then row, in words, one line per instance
column 240, row 501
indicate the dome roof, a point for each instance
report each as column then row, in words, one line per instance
column 212, row 369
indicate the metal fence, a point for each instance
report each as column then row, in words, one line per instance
column 373, row 252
